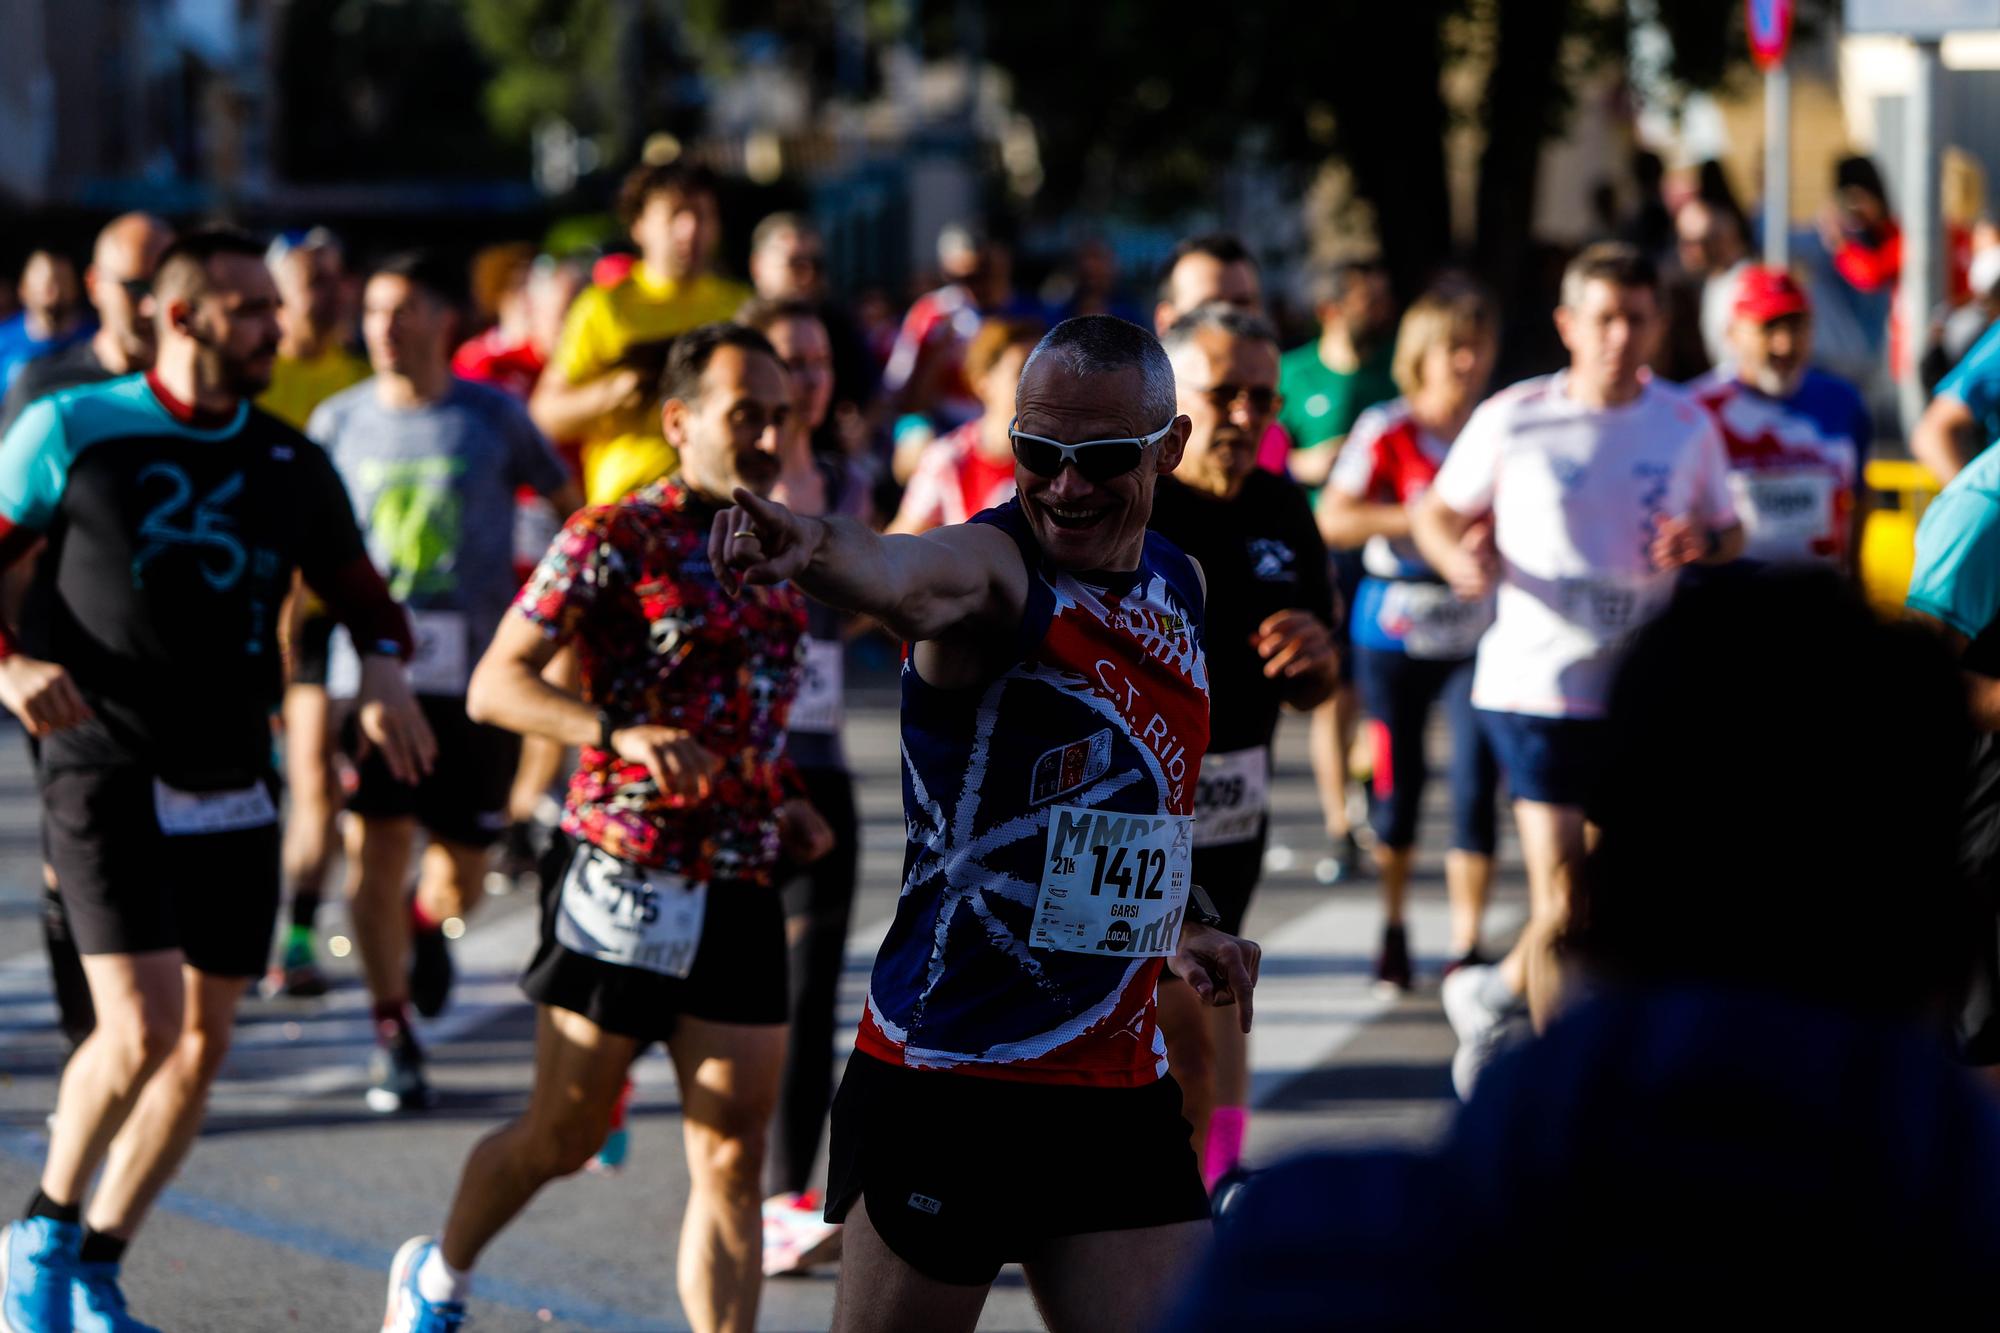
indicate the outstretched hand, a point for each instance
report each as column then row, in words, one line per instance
column 760, row 541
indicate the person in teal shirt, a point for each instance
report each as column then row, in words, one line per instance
column 1956, row 585
column 1963, row 418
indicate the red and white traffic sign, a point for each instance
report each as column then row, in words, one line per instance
column 1770, row 26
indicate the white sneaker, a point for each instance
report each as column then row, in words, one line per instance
column 797, row 1235
column 1483, row 1031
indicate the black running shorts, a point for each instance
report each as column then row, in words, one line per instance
column 464, row 799
column 128, row 887
column 738, row 974
column 310, row 648
column 948, row 1164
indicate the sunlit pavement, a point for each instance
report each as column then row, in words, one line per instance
column 296, row 1197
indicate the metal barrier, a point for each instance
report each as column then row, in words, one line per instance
column 1900, row 490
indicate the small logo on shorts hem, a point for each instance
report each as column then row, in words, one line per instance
column 924, row 1203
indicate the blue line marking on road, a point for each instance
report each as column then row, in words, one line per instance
column 365, row 1255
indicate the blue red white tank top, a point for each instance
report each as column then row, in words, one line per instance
column 1105, row 707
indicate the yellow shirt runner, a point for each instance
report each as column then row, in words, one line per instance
column 626, row 451
column 300, row 385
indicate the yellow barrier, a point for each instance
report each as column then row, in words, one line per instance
column 1901, row 489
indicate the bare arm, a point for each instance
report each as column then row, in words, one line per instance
column 1946, row 438
column 1458, row 546
column 1982, row 692
column 564, row 410
column 1346, row 522
column 509, row 690
column 1310, row 465
column 920, row 588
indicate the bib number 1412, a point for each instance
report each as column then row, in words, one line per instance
column 1140, row 879
column 1114, row 883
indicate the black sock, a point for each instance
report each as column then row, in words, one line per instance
column 41, row 1205
column 99, row 1248
column 305, row 907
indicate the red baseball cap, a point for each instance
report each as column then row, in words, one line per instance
column 1764, row 294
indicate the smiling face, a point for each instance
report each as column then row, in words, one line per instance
column 1083, row 524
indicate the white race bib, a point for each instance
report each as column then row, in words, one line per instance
column 190, row 812
column 1604, row 609
column 1231, row 796
column 440, row 661
column 817, row 708
column 1436, row 624
column 624, row 914
column 1783, row 513
column 1113, row 883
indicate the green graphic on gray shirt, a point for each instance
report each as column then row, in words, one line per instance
column 416, row 522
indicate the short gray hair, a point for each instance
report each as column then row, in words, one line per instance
column 1106, row 345
column 1222, row 317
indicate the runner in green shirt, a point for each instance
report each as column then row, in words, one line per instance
column 1324, row 386
column 1330, row 381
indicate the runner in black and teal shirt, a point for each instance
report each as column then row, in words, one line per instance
column 173, row 516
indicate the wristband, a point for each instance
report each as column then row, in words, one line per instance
column 1711, row 543
column 606, row 725
column 1201, row 908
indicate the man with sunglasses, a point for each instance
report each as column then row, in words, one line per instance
column 1008, row 1099
column 1270, row 644
column 119, row 284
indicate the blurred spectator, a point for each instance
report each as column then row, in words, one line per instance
column 52, row 315
column 528, row 299
column 1714, row 251
column 1797, row 436
column 1649, row 225
column 972, row 468
column 1214, row 266
column 1329, row 382
column 788, row 263
column 1853, row 262
column 315, row 361
column 1859, row 233
column 1955, row 330
column 1725, row 1118
column 1088, row 287
column 118, row 282
column 925, row 374
column 601, row 383
column 1962, row 419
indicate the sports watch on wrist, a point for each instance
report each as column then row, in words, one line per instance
column 1201, row 909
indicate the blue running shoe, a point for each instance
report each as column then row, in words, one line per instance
column 99, row 1307
column 408, row 1311
column 37, row 1270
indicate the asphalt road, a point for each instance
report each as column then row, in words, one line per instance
column 296, row 1197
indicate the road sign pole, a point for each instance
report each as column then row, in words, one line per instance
column 1923, row 229
column 1778, row 166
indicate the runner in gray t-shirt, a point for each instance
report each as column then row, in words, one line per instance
column 432, row 463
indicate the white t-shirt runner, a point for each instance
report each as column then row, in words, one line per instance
column 1575, row 493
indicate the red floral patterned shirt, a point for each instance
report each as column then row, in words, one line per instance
column 659, row 641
